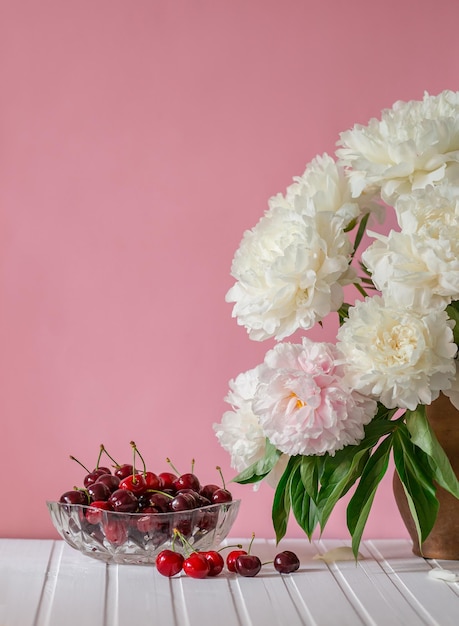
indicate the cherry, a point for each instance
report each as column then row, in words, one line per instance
column 94, row 513
column 286, row 562
column 152, row 480
column 115, row 531
column 248, row 565
column 159, row 500
column 122, row 471
column 222, row 494
column 75, row 496
column 135, row 483
column 169, row 563
column 98, row 491
column 187, row 481
column 183, row 502
column 167, row 480
column 123, row 501
column 208, row 491
column 216, row 562
column 110, row 480
column 196, row 565
column 231, row 559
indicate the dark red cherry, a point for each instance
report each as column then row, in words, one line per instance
column 169, row 563
column 167, row 480
column 182, row 502
column 110, row 480
column 75, row 496
column 124, row 470
column 91, row 478
column 123, row 501
column 196, row 565
column 231, row 559
column 208, row 491
column 187, row 481
column 221, row 495
column 248, row 565
column 286, row 562
column 152, row 481
column 98, row 491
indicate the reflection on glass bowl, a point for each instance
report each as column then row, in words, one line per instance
column 138, row 537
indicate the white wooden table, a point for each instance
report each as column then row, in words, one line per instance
column 47, row 583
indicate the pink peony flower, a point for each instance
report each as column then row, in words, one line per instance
column 303, row 402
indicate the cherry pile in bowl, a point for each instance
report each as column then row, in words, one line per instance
column 124, row 514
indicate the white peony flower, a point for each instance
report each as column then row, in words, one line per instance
column 418, row 268
column 414, row 144
column 323, row 187
column 396, row 356
column 240, row 433
column 303, row 402
column 290, row 271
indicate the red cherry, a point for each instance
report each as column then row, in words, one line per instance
column 231, row 559
column 196, row 565
column 115, row 531
column 208, row 491
column 94, row 514
column 169, row 563
column 216, row 562
column 135, row 483
column 248, row 565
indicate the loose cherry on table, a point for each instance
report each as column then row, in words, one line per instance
column 286, row 562
column 169, row 563
column 216, row 562
column 231, row 559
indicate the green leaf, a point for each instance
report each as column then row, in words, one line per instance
column 309, row 474
column 360, row 504
column 303, row 507
column 424, row 438
column 360, row 232
column 258, row 470
column 417, row 477
column 282, row 498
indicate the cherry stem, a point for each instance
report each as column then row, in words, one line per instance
column 163, row 493
column 192, row 466
column 103, row 449
column 172, row 465
column 136, row 450
column 236, row 545
column 80, row 463
column 185, row 542
column 250, row 544
column 219, row 470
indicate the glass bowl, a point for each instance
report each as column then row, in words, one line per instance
column 137, row 538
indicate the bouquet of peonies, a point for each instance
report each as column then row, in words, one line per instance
column 317, row 418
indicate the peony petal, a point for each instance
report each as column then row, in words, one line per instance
column 343, row 553
column 443, row 574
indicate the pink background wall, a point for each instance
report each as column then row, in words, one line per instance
column 138, row 140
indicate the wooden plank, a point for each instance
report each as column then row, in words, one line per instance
column 23, row 571
column 435, row 601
